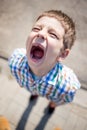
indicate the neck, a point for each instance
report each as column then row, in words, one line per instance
column 39, row 73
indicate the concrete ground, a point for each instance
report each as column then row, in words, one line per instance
column 16, row 19
column 25, row 115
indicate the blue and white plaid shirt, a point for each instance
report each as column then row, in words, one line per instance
column 59, row 85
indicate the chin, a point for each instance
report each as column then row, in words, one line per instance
column 36, row 63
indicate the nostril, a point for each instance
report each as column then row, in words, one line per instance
column 41, row 36
column 39, row 39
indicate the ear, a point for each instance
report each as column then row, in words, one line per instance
column 63, row 55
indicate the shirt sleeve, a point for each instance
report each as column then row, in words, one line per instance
column 68, row 87
column 14, row 63
column 73, row 85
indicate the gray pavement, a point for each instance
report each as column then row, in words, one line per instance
column 16, row 19
column 25, row 115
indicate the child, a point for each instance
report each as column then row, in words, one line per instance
column 39, row 67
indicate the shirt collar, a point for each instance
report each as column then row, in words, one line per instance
column 51, row 77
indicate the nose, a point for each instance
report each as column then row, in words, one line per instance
column 42, row 34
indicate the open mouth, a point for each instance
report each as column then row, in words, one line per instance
column 37, row 52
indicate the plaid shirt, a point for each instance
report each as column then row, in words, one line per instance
column 59, row 85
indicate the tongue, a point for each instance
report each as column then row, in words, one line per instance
column 38, row 54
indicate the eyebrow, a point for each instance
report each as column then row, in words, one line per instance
column 57, row 33
column 51, row 29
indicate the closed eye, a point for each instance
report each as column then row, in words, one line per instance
column 53, row 35
column 35, row 29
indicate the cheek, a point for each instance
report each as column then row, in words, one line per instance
column 55, row 50
column 28, row 41
column 54, row 47
column 30, row 38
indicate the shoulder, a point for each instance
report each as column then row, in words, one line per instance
column 18, row 52
column 68, row 83
column 17, row 57
column 68, row 78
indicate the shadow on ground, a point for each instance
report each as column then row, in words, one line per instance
column 40, row 126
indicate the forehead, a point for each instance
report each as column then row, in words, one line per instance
column 51, row 23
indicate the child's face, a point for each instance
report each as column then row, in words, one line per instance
column 44, row 44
